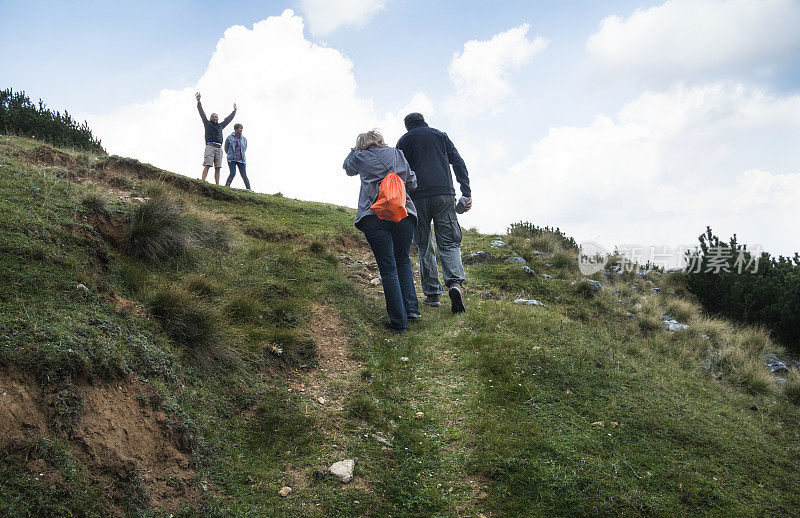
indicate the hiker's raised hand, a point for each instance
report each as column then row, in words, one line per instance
column 234, row 106
column 197, row 96
column 468, row 204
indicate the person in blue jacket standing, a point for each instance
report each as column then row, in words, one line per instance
column 235, row 147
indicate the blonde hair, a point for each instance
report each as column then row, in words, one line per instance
column 370, row 139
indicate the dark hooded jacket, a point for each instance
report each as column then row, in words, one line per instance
column 214, row 129
column 430, row 153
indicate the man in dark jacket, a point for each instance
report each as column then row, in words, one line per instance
column 213, row 153
column 430, row 153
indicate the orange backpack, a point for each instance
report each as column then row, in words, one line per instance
column 391, row 202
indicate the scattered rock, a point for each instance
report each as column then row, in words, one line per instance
column 321, row 400
column 498, row 244
column 419, row 415
column 285, row 490
column 343, row 470
column 375, row 281
column 775, row 365
column 536, row 252
column 599, row 424
column 404, row 358
column 82, row 288
column 529, row 302
column 547, row 276
column 383, row 440
column 515, row 259
column 656, row 290
column 781, row 382
column 479, row 257
column 705, row 337
column 630, row 315
column 529, row 270
column 614, row 424
column 320, row 474
column 672, row 325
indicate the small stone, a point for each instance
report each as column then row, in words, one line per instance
column 375, row 281
column 775, row 365
column 319, row 474
column 478, row 257
column 528, row 269
column 343, row 470
column 673, row 325
column 529, row 302
column 404, row 358
column 630, row 315
column 498, row 244
column 547, row 276
column 82, row 287
column 321, row 400
column 536, row 252
column 419, row 415
column 599, row 424
column 656, row 290
column 614, row 424
column 285, row 490
column 705, row 337
column 383, row 440
column 516, row 260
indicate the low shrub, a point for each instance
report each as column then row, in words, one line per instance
column 185, row 319
column 161, row 229
column 792, row 387
column 95, row 202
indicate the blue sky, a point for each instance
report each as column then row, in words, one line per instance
column 641, row 128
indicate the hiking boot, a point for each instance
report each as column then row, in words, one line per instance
column 432, row 300
column 390, row 327
column 456, row 298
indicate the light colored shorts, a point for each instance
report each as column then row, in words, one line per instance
column 212, row 156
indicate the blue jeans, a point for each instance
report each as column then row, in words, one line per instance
column 242, row 171
column 390, row 242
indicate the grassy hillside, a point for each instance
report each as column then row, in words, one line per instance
column 172, row 347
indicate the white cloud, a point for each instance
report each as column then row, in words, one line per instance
column 482, row 73
column 666, row 166
column 325, row 16
column 682, row 39
column 296, row 100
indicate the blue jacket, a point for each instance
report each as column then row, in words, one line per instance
column 430, row 153
column 229, row 147
column 372, row 165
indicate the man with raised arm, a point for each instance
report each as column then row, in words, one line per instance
column 213, row 153
column 430, row 153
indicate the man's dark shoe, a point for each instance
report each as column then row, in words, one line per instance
column 390, row 327
column 456, row 298
column 432, row 300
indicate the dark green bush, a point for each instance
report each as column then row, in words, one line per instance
column 528, row 229
column 19, row 116
column 159, row 230
column 768, row 296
